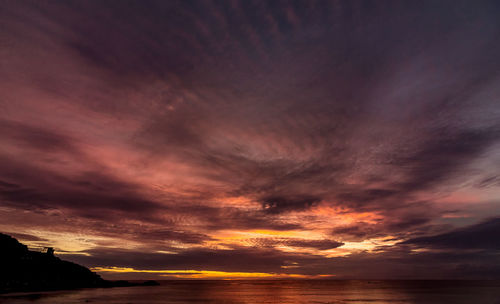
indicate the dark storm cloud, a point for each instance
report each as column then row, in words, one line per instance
column 301, row 243
column 444, row 154
column 318, row 244
column 277, row 204
column 480, row 236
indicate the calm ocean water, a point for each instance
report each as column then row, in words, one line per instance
column 283, row 291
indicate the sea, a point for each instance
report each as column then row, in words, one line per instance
column 277, row 291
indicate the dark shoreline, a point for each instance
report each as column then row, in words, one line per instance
column 23, row 270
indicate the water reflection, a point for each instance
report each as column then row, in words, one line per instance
column 283, row 291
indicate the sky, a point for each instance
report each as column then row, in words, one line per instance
column 254, row 139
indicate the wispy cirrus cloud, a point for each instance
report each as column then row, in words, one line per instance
column 327, row 128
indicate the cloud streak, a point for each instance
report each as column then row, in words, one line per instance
column 314, row 132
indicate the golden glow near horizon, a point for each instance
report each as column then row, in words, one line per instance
column 208, row 274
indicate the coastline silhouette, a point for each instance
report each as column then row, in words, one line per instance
column 23, row 270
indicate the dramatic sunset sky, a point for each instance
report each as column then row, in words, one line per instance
column 254, row 139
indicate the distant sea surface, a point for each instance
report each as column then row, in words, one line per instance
column 278, row 291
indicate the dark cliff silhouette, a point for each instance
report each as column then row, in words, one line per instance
column 25, row 270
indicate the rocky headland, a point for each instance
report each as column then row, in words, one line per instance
column 23, row 270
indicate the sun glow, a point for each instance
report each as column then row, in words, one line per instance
column 208, row 274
